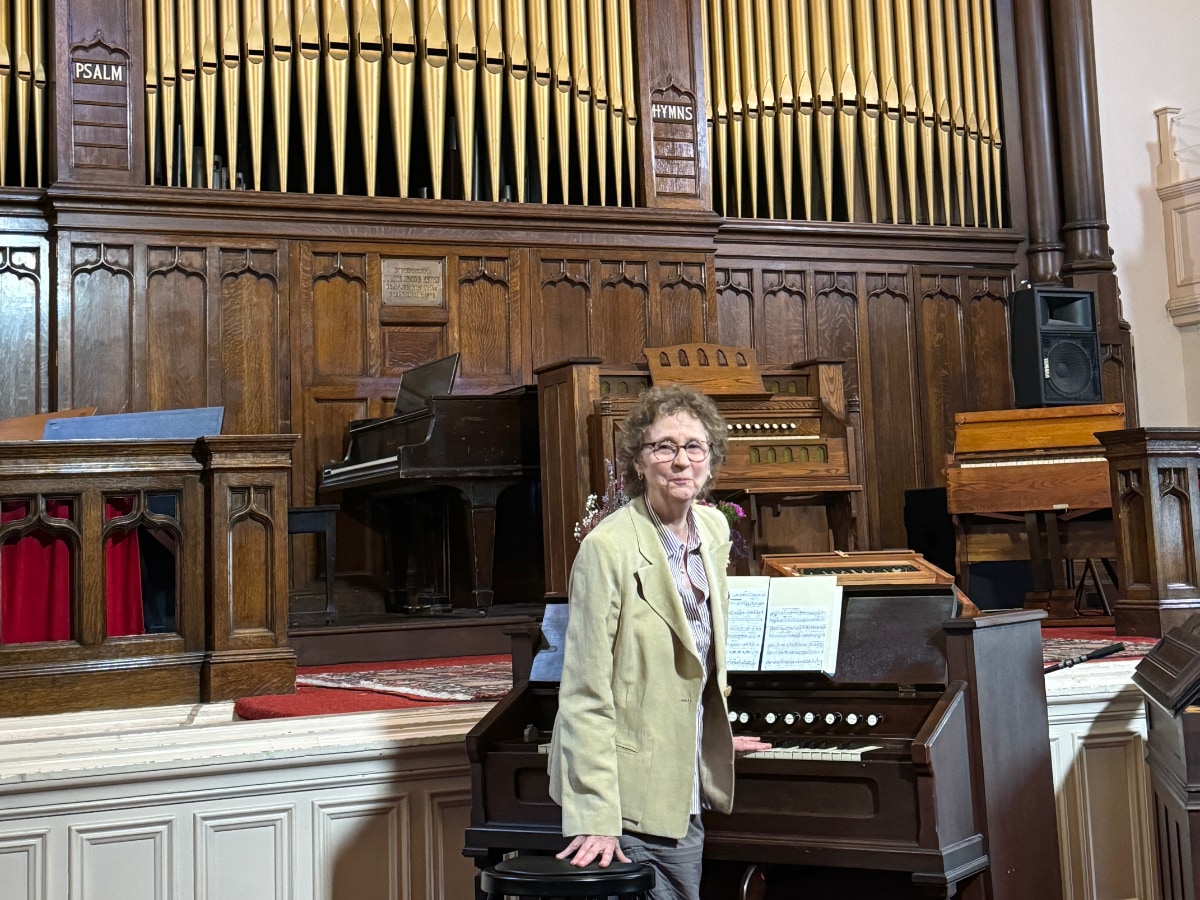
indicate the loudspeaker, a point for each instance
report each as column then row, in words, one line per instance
column 1055, row 347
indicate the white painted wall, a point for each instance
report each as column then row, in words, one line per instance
column 1146, row 57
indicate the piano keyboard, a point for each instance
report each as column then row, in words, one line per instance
column 815, row 750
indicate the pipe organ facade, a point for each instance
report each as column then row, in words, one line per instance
column 279, row 206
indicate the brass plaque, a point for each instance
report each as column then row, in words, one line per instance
column 413, row 282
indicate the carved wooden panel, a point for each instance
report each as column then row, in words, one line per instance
column 253, row 342
column 96, row 327
column 559, row 310
column 343, row 320
column 177, row 327
column 620, row 321
column 681, row 313
column 487, row 324
column 24, row 327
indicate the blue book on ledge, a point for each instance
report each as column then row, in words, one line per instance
column 165, row 424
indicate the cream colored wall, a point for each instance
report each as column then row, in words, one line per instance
column 1146, row 58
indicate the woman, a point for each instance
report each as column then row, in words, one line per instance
column 642, row 741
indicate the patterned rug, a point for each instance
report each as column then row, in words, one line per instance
column 1056, row 649
column 480, row 681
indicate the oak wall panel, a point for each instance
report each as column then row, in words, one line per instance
column 559, row 309
column 785, row 307
column 681, row 315
column 343, row 316
column 24, row 326
column 619, row 326
column 253, row 343
column 177, row 334
column 487, row 323
column 96, row 328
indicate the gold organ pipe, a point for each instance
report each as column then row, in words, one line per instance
column 368, row 63
column 846, row 84
column 435, row 55
column 864, row 46
column 336, row 38
column 720, row 102
column 402, row 73
column 979, row 56
column 599, row 91
column 888, row 47
column 540, row 86
column 925, row 103
column 906, row 89
column 39, row 89
column 941, row 96
column 750, row 95
column 6, row 69
column 989, row 48
column 616, row 92
column 254, row 72
column 970, row 108
column 24, row 83
column 279, row 33
column 188, row 76
column 781, row 52
column 737, row 109
column 583, row 89
column 517, row 51
column 625, row 14
column 206, row 46
column 464, row 67
column 825, row 98
column 560, row 66
column 168, row 82
column 308, row 75
column 768, row 99
column 492, row 46
column 152, row 87
column 958, row 116
column 229, row 50
column 805, row 99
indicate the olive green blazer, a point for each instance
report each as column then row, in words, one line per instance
column 624, row 746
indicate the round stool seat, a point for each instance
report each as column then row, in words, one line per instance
column 545, row 876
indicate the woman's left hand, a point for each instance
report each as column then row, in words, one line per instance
column 747, row 743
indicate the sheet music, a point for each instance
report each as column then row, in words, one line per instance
column 804, row 616
column 747, row 621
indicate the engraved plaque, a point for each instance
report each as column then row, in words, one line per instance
column 673, row 113
column 413, row 282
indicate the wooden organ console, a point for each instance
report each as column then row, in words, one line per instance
column 791, row 437
column 888, row 567
column 1027, row 484
column 875, row 785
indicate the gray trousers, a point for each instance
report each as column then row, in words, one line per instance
column 676, row 863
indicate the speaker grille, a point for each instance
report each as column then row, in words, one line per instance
column 1069, row 367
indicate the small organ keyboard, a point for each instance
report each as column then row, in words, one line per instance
column 875, row 771
column 881, row 567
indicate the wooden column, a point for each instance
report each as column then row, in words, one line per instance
column 1153, row 474
column 97, row 71
column 670, row 59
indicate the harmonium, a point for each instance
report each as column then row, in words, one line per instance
column 792, row 437
column 863, row 567
column 874, row 783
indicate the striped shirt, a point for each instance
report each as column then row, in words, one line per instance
column 687, row 568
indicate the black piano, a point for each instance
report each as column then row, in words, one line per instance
column 920, row 769
column 437, row 446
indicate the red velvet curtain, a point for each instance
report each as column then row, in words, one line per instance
column 35, row 578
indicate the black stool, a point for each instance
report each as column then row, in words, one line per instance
column 320, row 520
column 547, row 877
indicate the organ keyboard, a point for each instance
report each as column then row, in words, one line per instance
column 889, row 567
column 875, row 772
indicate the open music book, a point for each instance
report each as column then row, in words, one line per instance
column 787, row 624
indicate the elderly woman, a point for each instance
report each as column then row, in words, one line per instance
column 642, row 742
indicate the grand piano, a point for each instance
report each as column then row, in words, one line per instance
column 920, row 769
column 438, row 445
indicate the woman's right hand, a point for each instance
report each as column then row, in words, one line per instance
column 590, row 847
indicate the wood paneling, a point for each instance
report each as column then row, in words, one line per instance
column 24, row 326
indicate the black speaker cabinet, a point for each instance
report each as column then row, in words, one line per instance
column 1055, row 347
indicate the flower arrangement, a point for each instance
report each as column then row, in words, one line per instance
column 596, row 508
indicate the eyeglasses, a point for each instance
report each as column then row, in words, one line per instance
column 666, row 451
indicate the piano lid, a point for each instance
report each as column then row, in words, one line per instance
column 420, row 383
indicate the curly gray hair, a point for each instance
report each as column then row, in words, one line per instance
column 652, row 405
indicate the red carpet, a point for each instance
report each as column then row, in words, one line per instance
column 313, row 701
